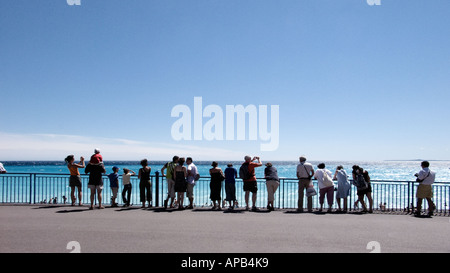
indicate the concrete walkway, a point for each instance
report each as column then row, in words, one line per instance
column 47, row 228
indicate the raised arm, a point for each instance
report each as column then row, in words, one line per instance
column 259, row 164
column 81, row 164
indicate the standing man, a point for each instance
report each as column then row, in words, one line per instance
column 305, row 172
column 191, row 175
column 247, row 173
column 426, row 178
column 95, row 183
column 170, row 166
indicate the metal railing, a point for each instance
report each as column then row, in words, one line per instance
column 388, row 196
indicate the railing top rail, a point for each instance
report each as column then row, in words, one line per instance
column 285, row 179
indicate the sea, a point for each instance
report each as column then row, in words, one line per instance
column 378, row 170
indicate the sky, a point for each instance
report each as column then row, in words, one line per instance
column 351, row 81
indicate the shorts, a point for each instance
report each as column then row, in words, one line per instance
column 75, row 181
column 170, row 188
column 251, row 186
column 190, row 190
column 368, row 190
column 424, row 191
column 95, row 187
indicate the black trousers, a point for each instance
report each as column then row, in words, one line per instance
column 126, row 191
column 145, row 191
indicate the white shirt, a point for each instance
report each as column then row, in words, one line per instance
column 2, row 169
column 126, row 179
column 427, row 179
column 304, row 170
column 193, row 172
column 319, row 176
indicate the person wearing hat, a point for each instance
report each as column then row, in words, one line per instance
column 305, row 171
column 96, row 158
column 114, row 185
column 272, row 184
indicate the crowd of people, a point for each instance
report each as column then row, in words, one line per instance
column 182, row 174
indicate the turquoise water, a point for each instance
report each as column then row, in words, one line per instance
column 380, row 170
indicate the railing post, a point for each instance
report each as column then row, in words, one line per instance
column 156, row 189
column 412, row 197
column 409, row 196
column 31, row 183
column 34, row 189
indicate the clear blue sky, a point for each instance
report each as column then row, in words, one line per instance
column 353, row 81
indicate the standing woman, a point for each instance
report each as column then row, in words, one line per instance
column 179, row 175
column 75, row 178
column 217, row 177
column 343, row 190
column 145, row 183
column 326, row 186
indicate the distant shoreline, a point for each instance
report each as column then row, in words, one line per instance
column 202, row 162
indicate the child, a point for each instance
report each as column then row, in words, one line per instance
column 114, row 184
column 96, row 158
column 126, row 180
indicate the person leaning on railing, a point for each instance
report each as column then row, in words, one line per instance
column 272, row 184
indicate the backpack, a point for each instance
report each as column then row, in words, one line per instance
column 360, row 182
column 244, row 173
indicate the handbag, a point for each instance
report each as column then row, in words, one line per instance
column 327, row 182
column 310, row 191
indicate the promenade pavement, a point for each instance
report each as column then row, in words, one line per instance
column 50, row 228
